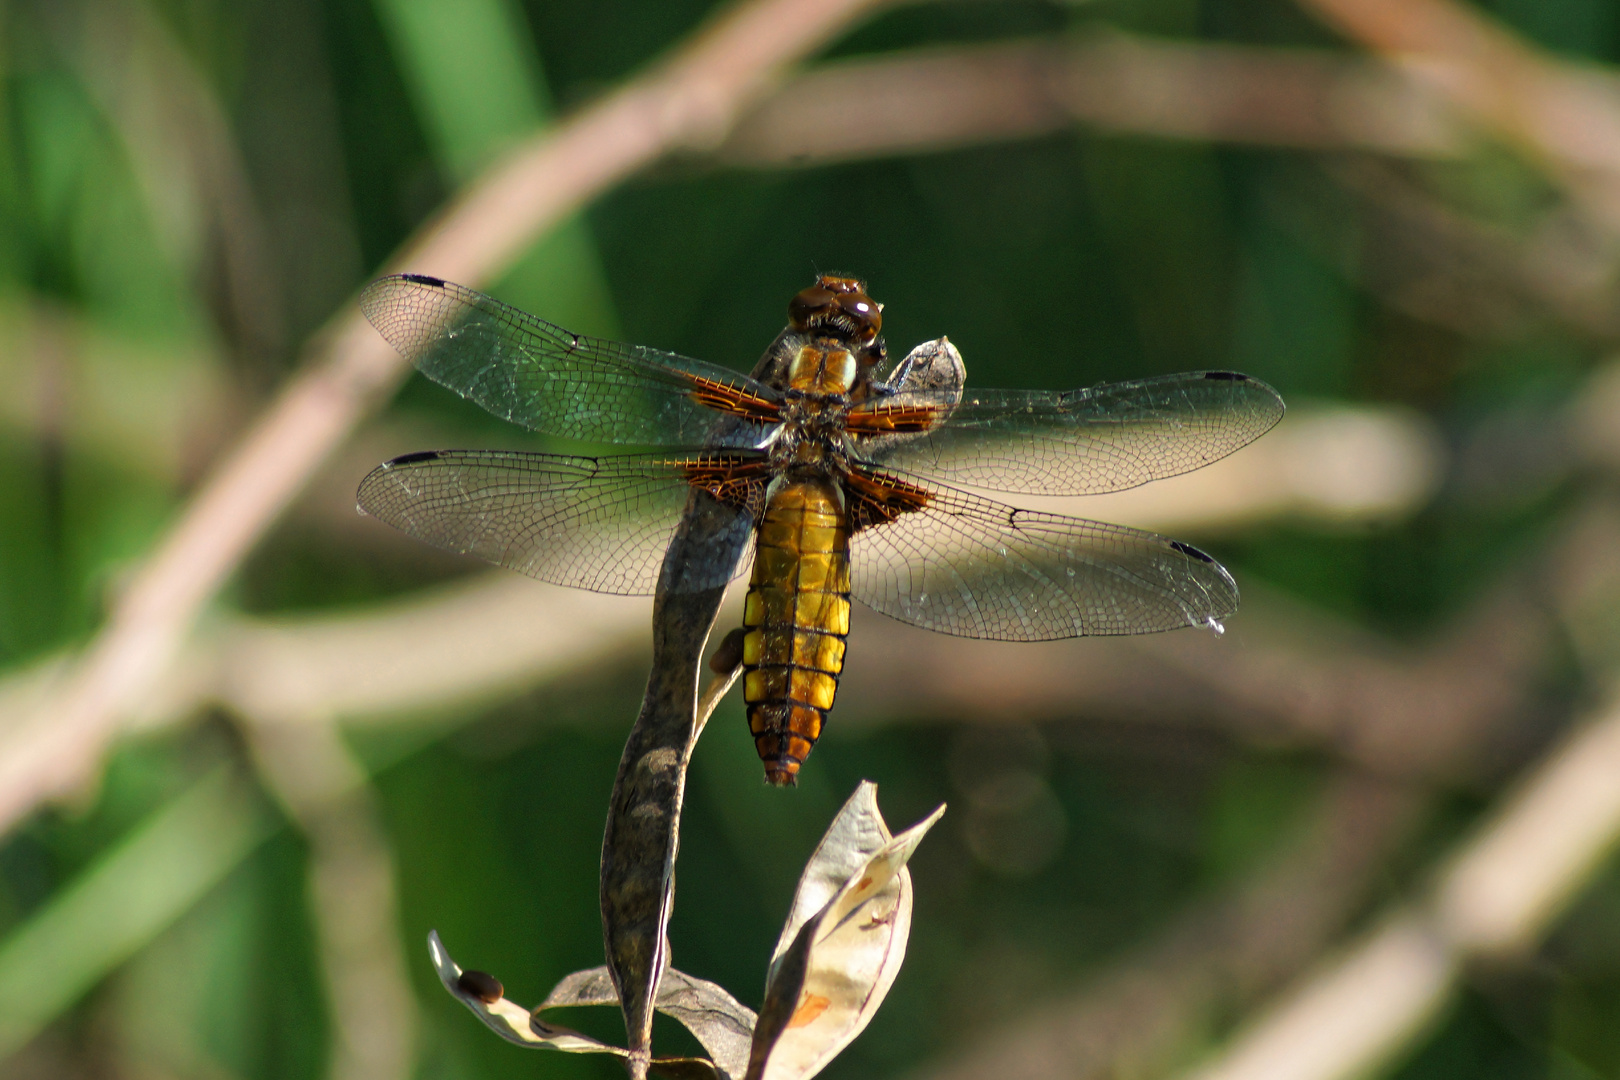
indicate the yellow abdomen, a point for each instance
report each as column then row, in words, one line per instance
column 795, row 623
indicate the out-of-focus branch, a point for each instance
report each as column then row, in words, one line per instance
column 1565, row 118
column 1332, row 466
column 1435, row 263
column 157, row 410
column 942, row 98
column 450, row 647
column 689, row 100
column 1495, row 898
column 184, row 156
column 1356, row 1013
column 1138, row 1015
column 351, row 897
column 1499, row 895
column 1280, row 676
column 939, row 99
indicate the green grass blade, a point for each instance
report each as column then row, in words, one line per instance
column 135, row 890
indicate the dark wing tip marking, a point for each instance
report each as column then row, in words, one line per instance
column 424, row 279
column 413, row 458
column 1190, row 551
column 1227, row 376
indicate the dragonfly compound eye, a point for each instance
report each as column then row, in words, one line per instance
column 863, row 310
column 808, row 304
column 839, row 305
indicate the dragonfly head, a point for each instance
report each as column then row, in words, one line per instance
column 839, row 306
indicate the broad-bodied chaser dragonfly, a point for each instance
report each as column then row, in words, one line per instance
column 836, row 458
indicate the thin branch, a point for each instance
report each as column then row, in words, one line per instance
column 1475, row 277
column 351, row 895
column 1502, row 891
column 1137, row 1015
column 944, row 98
column 448, row 648
column 452, row 647
column 185, row 158
column 1495, row 898
column 1563, row 117
column 934, row 99
column 1355, row 1014
column 1332, row 466
column 690, row 100
column 1281, row 676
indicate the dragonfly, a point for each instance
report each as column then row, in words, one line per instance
column 853, row 471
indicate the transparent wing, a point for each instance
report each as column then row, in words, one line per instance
column 1080, row 442
column 526, row 370
column 592, row 523
column 953, row 562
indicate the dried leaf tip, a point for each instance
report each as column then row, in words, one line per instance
column 843, row 944
column 721, row 1024
column 838, row 955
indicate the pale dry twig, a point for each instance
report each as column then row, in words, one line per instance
column 942, row 98
column 351, row 895
column 1495, row 898
column 1564, row 118
column 1138, row 1014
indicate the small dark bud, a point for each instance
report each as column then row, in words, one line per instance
column 485, row 987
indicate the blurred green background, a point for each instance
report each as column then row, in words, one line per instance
column 190, row 188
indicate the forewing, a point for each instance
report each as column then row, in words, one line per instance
column 1080, row 442
column 953, row 562
column 526, row 370
column 592, row 523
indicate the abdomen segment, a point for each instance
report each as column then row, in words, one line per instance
column 795, row 623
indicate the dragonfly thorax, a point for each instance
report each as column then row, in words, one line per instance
column 821, row 369
column 811, row 438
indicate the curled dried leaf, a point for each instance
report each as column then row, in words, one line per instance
column 507, row 1018
column 843, row 943
column 719, row 1021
